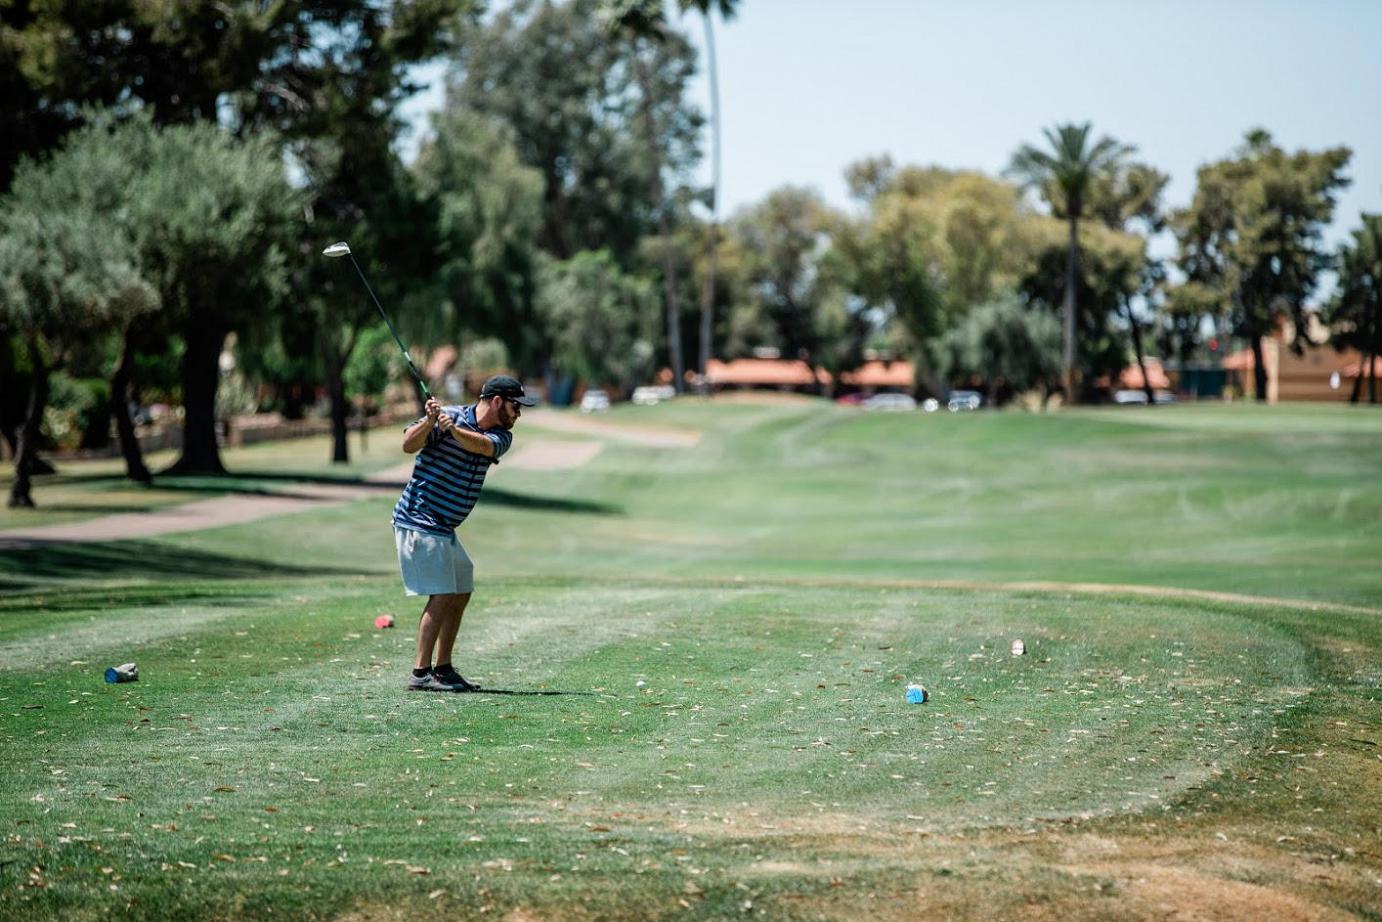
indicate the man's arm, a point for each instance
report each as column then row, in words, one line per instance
column 415, row 436
column 473, row 442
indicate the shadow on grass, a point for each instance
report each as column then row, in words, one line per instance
column 492, row 496
column 95, row 509
column 531, row 694
column 260, row 483
column 24, row 566
column 53, row 598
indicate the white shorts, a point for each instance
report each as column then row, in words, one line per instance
column 432, row 565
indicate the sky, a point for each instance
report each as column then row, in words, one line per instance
column 810, row 86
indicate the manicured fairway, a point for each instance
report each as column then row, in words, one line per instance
column 1197, row 733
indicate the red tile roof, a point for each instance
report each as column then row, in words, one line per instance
column 880, row 374
column 1131, row 377
column 777, row 372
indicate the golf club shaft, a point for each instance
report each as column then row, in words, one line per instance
column 426, row 391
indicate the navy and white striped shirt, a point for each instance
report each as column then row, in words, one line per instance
column 446, row 478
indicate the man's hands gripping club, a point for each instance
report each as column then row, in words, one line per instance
column 439, row 419
column 416, row 436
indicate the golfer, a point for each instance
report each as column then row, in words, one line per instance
column 455, row 447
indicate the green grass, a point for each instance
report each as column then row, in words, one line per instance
column 775, row 588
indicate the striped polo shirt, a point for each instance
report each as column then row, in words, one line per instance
column 446, row 478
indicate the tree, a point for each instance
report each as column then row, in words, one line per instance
column 374, row 364
column 599, row 319
column 643, row 24
column 259, row 64
column 90, row 181
column 1064, row 175
column 1005, row 346
column 488, row 209
column 934, row 244
column 326, row 75
column 215, row 217
column 792, row 278
column 712, row 236
column 1355, row 307
column 1126, row 196
column 572, row 99
column 340, row 122
column 69, row 276
column 1111, row 273
column 1251, row 237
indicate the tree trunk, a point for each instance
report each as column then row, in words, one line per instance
column 1372, row 357
column 664, row 225
column 26, row 450
column 1072, row 256
column 1357, row 390
column 1259, row 370
column 925, row 379
column 1137, row 350
column 713, row 232
column 817, row 387
column 120, row 409
column 201, row 375
column 340, row 411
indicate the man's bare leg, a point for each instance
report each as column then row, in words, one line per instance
column 450, row 625
column 434, row 620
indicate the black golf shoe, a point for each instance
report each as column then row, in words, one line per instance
column 455, row 680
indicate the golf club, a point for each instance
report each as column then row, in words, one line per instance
column 336, row 251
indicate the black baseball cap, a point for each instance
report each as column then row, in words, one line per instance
column 505, row 386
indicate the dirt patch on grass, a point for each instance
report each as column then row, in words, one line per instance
column 1153, row 891
column 1059, row 876
column 648, row 436
column 552, row 455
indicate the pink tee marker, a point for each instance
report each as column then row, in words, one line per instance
column 383, row 621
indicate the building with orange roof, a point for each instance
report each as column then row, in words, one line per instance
column 1317, row 375
column 1131, row 379
column 794, row 374
column 780, row 374
column 877, row 374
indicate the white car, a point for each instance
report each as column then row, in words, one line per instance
column 1130, row 397
column 594, row 401
column 890, row 402
column 964, row 400
column 1139, row 397
column 652, row 394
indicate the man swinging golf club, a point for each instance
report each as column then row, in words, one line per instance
column 455, row 447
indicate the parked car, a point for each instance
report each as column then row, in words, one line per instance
column 1134, row 397
column 964, row 400
column 851, row 400
column 594, row 401
column 649, row 395
column 1130, row 397
column 890, row 402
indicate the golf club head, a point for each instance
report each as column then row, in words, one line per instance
column 337, row 250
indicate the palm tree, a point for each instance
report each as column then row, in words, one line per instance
column 1064, row 175
column 712, row 237
column 638, row 21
